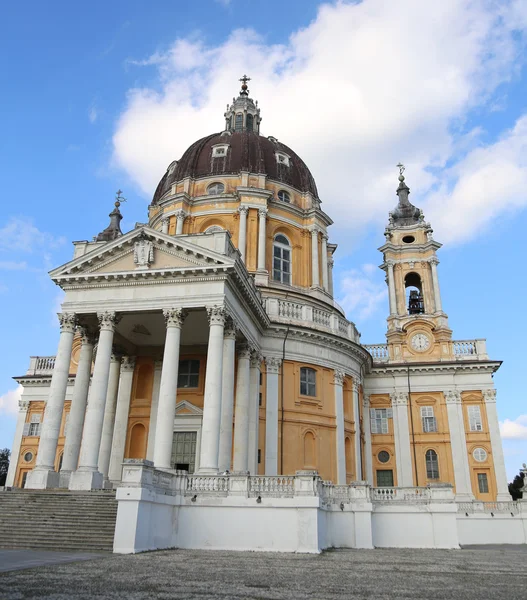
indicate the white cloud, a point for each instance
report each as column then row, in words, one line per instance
column 20, row 235
column 514, row 430
column 361, row 87
column 9, row 401
column 93, row 113
column 363, row 292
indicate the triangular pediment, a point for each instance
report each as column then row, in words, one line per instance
column 184, row 407
column 143, row 251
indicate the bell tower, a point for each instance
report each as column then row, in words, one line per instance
column 417, row 326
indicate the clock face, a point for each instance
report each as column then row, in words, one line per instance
column 420, row 342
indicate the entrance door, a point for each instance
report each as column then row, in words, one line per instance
column 184, row 450
column 385, row 478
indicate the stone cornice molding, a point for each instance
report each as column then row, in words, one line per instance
column 447, row 368
column 67, row 322
column 175, row 317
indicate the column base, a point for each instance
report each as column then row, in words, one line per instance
column 86, row 480
column 64, row 479
column 261, row 278
column 42, row 479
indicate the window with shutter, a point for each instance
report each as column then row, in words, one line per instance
column 428, row 419
column 379, row 420
column 474, row 418
column 25, row 432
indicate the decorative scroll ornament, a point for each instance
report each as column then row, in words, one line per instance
column 230, row 329
column 174, row 317
column 107, row 320
column 256, row 359
column 243, row 209
column 128, row 363
column 338, row 377
column 399, row 398
column 262, row 212
column 143, row 253
column 216, row 315
column 489, row 395
column 244, row 351
column 67, row 322
column 452, row 397
column 273, row 363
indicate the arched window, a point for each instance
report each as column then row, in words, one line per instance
column 249, row 122
column 432, row 465
column 414, row 294
column 284, row 196
column 214, row 229
column 308, row 381
column 215, row 188
column 309, row 450
column 282, row 260
column 238, row 122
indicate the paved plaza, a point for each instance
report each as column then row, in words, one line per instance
column 495, row 573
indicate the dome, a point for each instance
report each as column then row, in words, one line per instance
column 247, row 151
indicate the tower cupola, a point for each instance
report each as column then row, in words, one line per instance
column 405, row 213
column 243, row 114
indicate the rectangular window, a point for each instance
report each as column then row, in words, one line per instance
column 259, row 456
column 308, row 382
column 34, row 425
column 260, row 399
column 428, row 419
column 184, row 450
column 385, row 478
column 379, row 420
column 188, row 375
column 483, row 484
column 261, row 378
column 474, row 418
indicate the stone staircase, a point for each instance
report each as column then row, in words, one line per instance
column 58, row 520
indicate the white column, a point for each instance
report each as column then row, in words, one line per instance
column 262, row 214
column 254, row 411
column 181, row 215
column 164, row 224
column 43, row 475
column 391, row 288
column 72, row 446
column 325, row 281
column 227, row 397
column 271, row 415
column 166, row 410
column 210, row 432
column 435, row 280
column 356, row 416
column 122, row 409
column 338, row 379
column 368, row 465
column 497, row 449
column 458, row 444
column 158, row 365
column 331, row 262
column 87, row 476
column 242, row 234
column 401, row 431
column 19, row 432
column 241, row 416
column 315, row 282
column 109, row 415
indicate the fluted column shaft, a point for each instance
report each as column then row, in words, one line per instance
column 497, row 449
column 458, row 444
column 227, row 397
column 210, row 433
column 122, row 409
column 44, row 476
column 166, row 410
column 271, row 415
column 401, row 434
column 181, row 215
column 315, row 281
column 262, row 214
column 241, row 417
column 242, row 235
column 338, row 379
column 158, row 365
column 435, row 281
column 70, row 457
column 325, row 281
column 331, row 262
column 254, row 411
column 391, row 289
column 368, row 463
column 109, row 415
column 19, row 431
column 356, row 416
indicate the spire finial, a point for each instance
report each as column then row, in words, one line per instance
column 119, row 198
column 245, row 90
column 402, row 169
column 113, row 230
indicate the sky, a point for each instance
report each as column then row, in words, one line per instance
column 104, row 95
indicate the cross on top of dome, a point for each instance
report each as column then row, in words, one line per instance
column 243, row 114
column 245, row 89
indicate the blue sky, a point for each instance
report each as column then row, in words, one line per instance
column 104, row 96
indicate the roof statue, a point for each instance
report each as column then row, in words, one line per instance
column 113, row 231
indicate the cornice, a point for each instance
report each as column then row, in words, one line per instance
column 410, row 248
column 446, row 367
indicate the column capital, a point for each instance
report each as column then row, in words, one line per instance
column 166, row 220
column 489, row 395
column 174, row 317
column 452, row 396
column 399, row 398
column 243, row 209
column 256, row 359
column 356, row 384
column 273, row 363
column 158, row 364
column 314, row 231
column 331, row 262
column 230, row 329
column 107, row 320
column 87, row 334
column 262, row 212
column 325, row 237
column 23, row 405
column 366, row 401
column 390, row 263
column 180, row 214
column 67, row 321
column 244, row 351
column 216, row 315
column 128, row 363
column 338, row 377
column 433, row 260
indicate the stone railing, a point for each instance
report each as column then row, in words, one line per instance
column 491, row 508
column 300, row 313
column 274, row 487
column 401, row 494
column 470, row 349
column 379, row 352
column 41, row 365
column 207, row 484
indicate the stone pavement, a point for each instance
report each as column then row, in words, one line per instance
column 496, row 573
column 13, row 560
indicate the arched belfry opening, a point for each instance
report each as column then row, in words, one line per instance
column 414, row 294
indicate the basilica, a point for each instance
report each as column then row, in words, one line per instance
column 204, row 364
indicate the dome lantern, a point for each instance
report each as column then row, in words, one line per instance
column 243, row 114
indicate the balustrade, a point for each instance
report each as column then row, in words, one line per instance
column 465, row 348
column 401, row 494
column 41, row 365
column 207, row 484
column 488, row 507
column 278, row 487
column 379, row 352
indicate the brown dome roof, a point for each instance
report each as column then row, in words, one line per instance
column 248, row 151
